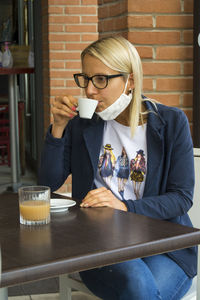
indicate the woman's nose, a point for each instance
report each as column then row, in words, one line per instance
column 91, row 89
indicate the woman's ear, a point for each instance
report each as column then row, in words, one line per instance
column 131, row 85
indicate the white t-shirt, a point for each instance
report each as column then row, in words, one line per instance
column 123, row 161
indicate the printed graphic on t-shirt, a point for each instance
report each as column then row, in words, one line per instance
column 111, row 168
column 107, row 164
column 137, row 171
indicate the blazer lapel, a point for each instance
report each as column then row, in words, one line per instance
column 155, row 150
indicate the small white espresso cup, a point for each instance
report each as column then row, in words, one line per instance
column 86, row 107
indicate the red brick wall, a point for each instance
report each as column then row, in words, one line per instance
column 72, row 25
column 162, row 32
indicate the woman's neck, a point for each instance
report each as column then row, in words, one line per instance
column 124, row 117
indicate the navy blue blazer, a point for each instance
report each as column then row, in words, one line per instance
column 168, row 192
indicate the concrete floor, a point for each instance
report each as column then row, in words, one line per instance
column 29, row 178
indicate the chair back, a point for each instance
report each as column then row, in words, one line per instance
column 194, row 212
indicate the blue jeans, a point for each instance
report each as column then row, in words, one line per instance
column 149, row 278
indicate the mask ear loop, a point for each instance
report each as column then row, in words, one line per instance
column 124, row 92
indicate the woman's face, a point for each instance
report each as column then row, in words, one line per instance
column 93, row 66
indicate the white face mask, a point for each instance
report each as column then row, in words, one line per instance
column 115, row 109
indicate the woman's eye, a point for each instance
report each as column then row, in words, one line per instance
column 100, row 78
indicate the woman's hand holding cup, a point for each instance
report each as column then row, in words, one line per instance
column 63, row 109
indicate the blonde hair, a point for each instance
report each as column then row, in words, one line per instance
column 120, row 55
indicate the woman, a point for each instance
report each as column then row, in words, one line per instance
column 106, row 164
column 122, row 171
column 112, row 74
column 138, row 169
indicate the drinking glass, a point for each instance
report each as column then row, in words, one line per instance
column 34, row 205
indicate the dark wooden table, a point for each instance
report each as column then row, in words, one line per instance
column 80, row 239
column 13, row 117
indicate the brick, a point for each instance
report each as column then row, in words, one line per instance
column 155, row 37
column 70, row 83
column 189, row 114
column 63, row 56
column 108, row 1
column 56, row 28
column 56, row 46
column 169, row 6
column 81, row 10
column 174, row 52
column 117, row 9
column 64, row 2
column 174, row 84
column 57, row 65
column 140, row 21
column 104, row 12
column 188, row 100
column 188, row 37
column 77, row 46
column 64, row 19
column 89, row 37
column 188, row 6
column 80, row 28
column 64, row 37
column 156, row 68
column 57, row 83
column 120, row 23
column 61, row 74
column 145, row 51
column 148, row 84
column 73, row 65
column 175, row 21
column 100, row 27
column 114, row 24
column 89, row 2
column 167, row 99
column 188, row 68
column 62, row 92
column 55, row 10
column 89, row 19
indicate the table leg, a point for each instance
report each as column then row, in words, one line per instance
column 14, row 133
column 4, row 293
column 65, row 291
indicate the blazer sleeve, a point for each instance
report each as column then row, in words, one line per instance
column 55, row 160
column 174, row 197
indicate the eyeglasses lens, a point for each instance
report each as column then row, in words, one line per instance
column 99, row 81
column 82, row 81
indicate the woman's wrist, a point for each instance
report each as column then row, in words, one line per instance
column 57, row 131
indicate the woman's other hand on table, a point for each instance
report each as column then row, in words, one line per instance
column 63, row 109
column 102, row 197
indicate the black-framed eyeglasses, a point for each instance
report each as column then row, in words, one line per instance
column 99, row 81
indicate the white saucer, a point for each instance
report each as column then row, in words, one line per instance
column 60, row 205
column 64, row 194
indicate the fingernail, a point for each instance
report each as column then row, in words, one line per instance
column 71, row 115
column 74, row 108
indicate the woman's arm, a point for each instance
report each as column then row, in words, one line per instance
column 55, row 162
